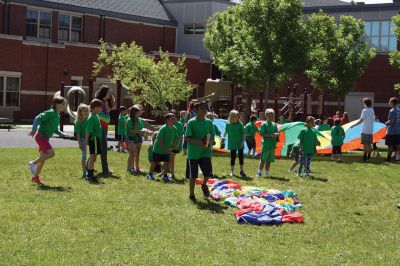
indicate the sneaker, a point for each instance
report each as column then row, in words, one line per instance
column 398, row 205
column 132, row 171
column 149, row 177
column 37, row 181
column 299, row 175
column 84, row 174
column 166, row 178
column 307, row 176
column 267, row 173
column 232, row 174
column 138, row 170
column 193, row 198
column 242, row 174
column 91, row 179
column 339, row 160
column 32, row 167
column 332, row 158
column 206, row 191
column 258, row 174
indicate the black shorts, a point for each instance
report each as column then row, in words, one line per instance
column 121, row 137
column 337, row 150
column 95, row 146
column 251, row 142
column 192, row 168
column 160, row 157
column 392, row 140
column 137, row 139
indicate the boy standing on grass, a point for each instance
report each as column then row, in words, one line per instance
column 177, row 146
column 165, row 139
column 270, row 135
column 251, row 129
column 338, row 135
column 199, row 134
column 122, row 128
column 308, row 143
column 93, row 137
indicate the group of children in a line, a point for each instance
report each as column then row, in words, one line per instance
column 194, row 133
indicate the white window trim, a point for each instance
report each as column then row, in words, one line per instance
column 5, row 75
column 70, row 26
column 38, row 23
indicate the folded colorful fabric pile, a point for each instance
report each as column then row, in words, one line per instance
column 256, row 205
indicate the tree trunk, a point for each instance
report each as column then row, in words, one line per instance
column 266, row 89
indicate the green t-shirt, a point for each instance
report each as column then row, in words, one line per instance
column 235, row 135
column 93, row 126
column 198, row 129
column 308, row 138
column 250, row 129
column 179, row 128
column 150, row 153
column 122, row 125
column 168, row 137
column 49, row 122
column 268, row 143
column 338, row 135
column 80, row 128
column 129, row 125
column 324, row 127
column 216, row 130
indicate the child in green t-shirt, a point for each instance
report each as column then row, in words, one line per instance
column 236, row 137
column 308, row 142
column 121, row 132
column 93, row 137
column 48, row 123
column 166, row 138
column 153, row 137
column 337, row 138
column 80, row 131
column 270, row 136
column 324, row 126
column 251, row 129
column 295, row 154
column 177, row 146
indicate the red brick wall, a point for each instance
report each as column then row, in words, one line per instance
column 17, row 20
column 91, row 29
column 1, row 17
column 169, row 39
column 11, row 60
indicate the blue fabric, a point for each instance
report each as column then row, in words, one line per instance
column 305, row 161
column 270, row 215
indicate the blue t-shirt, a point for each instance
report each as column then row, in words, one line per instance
column 394, row 114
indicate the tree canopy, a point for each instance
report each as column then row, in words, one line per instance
column 395, row 55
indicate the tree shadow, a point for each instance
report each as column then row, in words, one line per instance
column 211, row 206
column 282, row 179
column 54, row 188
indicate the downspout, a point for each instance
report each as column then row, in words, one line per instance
column 5, row 16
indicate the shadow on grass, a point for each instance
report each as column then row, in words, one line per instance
column 108, row 176
column 211, row 206
column 319, row 179
column 282, row 179
column 54, row 188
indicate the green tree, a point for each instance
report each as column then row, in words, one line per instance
column 155, row 81
column 395, row 55
column 259, row 43
column 339, row 54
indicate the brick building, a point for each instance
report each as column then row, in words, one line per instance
column 45, row 42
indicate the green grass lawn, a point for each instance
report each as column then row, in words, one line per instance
column 349, row 209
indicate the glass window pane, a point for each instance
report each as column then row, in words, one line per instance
column 199, row 29
column 12, row 84
column 384, row 44
column 1, row 90
column 367, row 28
column 189, row 29
column 385, row 25
column 31, row 16
column 76, row 23
column 31, row 30
column 392, row 28
column 63, row 34
column 63, row 21
column 12, row 99
column 44, row 32
column 375, row 43
column 75, row 35
column 375, row 28
column 393, row 43
column 45, row 18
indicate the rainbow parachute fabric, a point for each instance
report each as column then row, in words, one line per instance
column 289, row 132
column 259, row 206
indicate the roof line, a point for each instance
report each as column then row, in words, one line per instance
column 100, row 12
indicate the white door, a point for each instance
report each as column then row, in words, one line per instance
column 353, row 104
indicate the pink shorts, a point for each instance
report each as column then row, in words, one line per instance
column 43, row 142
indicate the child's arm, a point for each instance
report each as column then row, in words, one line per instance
column 35, row 125
column 87, row 138
column 60, row 133
column 194, row 141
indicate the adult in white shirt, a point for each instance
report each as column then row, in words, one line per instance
column 367, row 130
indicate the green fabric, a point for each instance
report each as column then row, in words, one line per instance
column 235, row 135
column 49, row 122
column 168, row 137
column 93, row 126
column 179, row 128
column 324, row 127
column 217, row 132
column 129, row 126
column 285, row 121
column 268, row 143
column 250, row 129
column 338, row 135
column 122, row 125
column 308, row 138
column 198, row 129
column 150, row 153
column 80, row 128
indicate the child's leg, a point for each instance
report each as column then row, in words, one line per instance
column 152, row 167
column 83, row 159
column 137, row 155
column 233, row 159
column 307, row 160
column 294, row 164
column 172, row 163
column 131, row 149
column 301, row 165
column 261, row 166
column 90, row 165
column 241, row 159
column 267, row 166
column 165, row 168
column 39, row 163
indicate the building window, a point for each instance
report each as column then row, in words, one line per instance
column 70, row 28
column 9, row 91
column 380, row 35
column 38, row 24
column 194, row 29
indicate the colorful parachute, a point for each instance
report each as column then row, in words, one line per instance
column 289, row 132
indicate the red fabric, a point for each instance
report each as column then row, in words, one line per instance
column 249, row 205
column 43, row 142
column 293, row 217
